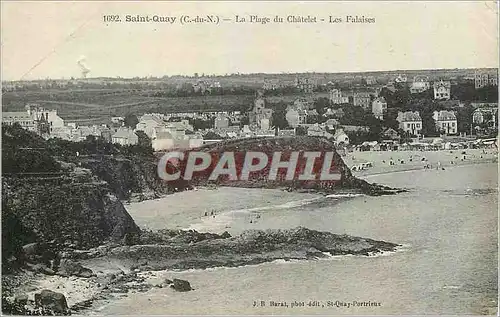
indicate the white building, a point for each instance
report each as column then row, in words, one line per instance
column 401, row 78
column 446, row 122
column 410, row 122
column 37, row 112
column 419, row 85
column 24, row 119
column 336, row 97
column 125, row 136
column 340, row 137
column 442, row 90
column 149, row 123
column 221, row 121
column 379, row 107
column 292, row 117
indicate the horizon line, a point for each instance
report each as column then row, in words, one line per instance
column 254, row 73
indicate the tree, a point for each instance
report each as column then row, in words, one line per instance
column 321, row 104
column 143, row 140
column 464, row 119
column 130, row 121
column 301, row 130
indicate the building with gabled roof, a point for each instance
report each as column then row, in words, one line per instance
column 442, row 90
column 446, row 122
column 410, row 122
column 125, row 136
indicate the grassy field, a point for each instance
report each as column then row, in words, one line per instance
column 98, row 105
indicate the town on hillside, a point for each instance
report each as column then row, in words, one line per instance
column 364, row 111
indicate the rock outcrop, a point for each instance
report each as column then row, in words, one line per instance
column 68, row 267
column 251, row 247
column 53, row 302
column 285, row 145
column 181, row 285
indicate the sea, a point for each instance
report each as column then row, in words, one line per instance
column 446, row 224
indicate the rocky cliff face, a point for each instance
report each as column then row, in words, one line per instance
column 127, row 175
column 45, row 200
column 81, row 214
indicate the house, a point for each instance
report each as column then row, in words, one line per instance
column 293, row 118
column 370, row 80
column 336, row 113
column 50, row 116
column 301, row 103
column 362, row 99
column 480, row 80
column 317, row 130
column 340, row 137
column 336, row 98
column 117, row 120
column 125, row 136
column 484, row 79
column 379, row 107
column 410, row 122
column 401, row 78
column 149, row 123
column 304, row 85
column 221, row 122
column 442, row 90
column 419, row 85
column 331, row 124
column 23, row 118
column 390, row 134
column 228, row 132
column 486, row 115
column 494, row 80
column 64, row 133
column 446, row 122
column 286, row 132
column 271, row 84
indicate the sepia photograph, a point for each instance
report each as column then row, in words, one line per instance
column 249, row 158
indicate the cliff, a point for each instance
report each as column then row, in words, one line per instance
column 127, row 175
column 49, row 201
column 285, row 145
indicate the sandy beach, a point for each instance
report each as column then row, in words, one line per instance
column 415, row 160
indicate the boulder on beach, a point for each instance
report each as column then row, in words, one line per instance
column 181, row 285
column 21, row 299
column 70, row 268
column 53, row 301
column 40, row 268
column 167, row 282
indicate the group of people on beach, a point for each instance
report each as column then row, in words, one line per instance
column 212, row 213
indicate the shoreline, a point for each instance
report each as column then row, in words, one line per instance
column 120, row 270
column 86, row 294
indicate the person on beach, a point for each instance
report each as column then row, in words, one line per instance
column 438, row 165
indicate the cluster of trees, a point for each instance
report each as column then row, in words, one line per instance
column 468, row 92
column 26, row 152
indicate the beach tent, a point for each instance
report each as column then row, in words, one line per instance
column 437, row 141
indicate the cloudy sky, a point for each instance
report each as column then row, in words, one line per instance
column 46, row 39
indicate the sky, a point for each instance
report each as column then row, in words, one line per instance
column 47, row 39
